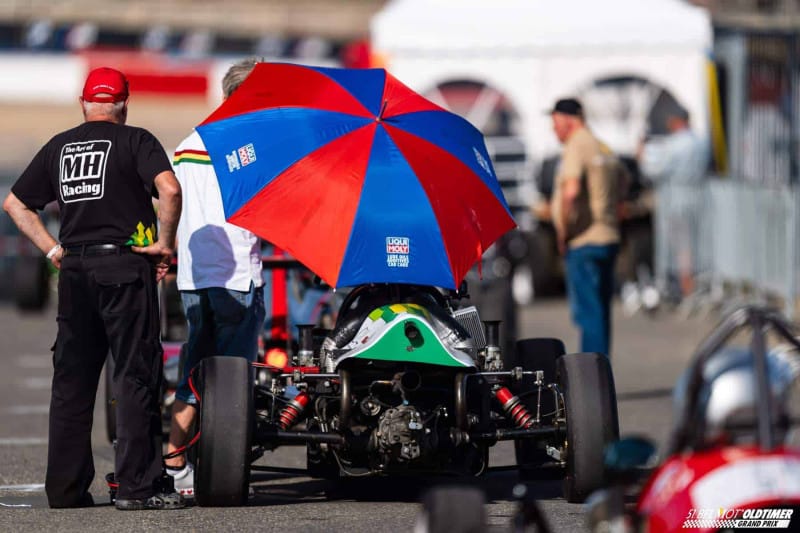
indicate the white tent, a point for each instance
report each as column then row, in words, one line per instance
column 535, row 51
column 522, row 26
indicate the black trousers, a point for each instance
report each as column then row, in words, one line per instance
column 105, row 302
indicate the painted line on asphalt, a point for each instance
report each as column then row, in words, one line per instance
column 34, row 361
column 23, row 441
column 15, row 504
column 37, row 383
column 27, row 410
column 31, row 487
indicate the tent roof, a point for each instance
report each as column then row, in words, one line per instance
column 480, row 25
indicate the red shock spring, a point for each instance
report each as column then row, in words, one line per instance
column 292, row 410
column 513, row 406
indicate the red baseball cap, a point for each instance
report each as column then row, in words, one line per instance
column 105, row 85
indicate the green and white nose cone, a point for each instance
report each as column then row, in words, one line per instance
column 403, row 333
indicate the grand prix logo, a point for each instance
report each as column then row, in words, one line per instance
column 770, row 518
column 82, row 170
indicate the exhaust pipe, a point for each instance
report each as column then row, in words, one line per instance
column 410, row 380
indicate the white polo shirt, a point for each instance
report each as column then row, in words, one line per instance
column 211, row 252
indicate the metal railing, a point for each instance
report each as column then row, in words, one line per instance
column 741, row 241
column 741, row 231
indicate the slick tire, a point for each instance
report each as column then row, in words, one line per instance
column 592, row 422
column 222, row 473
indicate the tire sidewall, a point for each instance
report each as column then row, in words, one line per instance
column 587, row 384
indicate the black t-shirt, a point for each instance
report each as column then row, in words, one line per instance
column 102, row 175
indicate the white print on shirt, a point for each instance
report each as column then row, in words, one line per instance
column 82, row 170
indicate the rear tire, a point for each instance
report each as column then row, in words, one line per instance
column 453, row 510
column 222, row 472
column 536, row 354
column 592, row 422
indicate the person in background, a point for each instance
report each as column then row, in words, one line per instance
column 219, row 279
column 103, row 175
column 677, row 164
column 584, row 210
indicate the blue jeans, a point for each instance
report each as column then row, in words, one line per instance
column 590, row 285
column 221, row 322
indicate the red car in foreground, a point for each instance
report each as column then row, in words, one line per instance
column 734, row 458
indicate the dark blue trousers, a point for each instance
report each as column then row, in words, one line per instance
column 590, row 285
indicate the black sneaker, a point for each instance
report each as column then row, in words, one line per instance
column 160, row 501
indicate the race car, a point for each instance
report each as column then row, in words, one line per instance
column 734, row 457
column 405, row 383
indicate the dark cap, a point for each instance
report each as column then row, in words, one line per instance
column 568, row 106
column 679, row 112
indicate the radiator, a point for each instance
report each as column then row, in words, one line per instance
column 469, row 319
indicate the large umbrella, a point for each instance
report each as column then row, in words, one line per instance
column 357, row 176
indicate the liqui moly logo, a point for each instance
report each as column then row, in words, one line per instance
column 397, row 252
column 397, row 245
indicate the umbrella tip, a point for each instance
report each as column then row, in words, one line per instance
column 383, row 108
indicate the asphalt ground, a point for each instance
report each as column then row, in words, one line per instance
column 649, row 354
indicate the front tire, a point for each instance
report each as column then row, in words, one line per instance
column 592, row 421
column 226, row 411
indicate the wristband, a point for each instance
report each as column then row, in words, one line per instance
column 53, row 251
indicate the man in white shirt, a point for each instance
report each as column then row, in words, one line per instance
column 219, row 279
column 677, row 165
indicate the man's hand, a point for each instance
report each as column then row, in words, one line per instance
column 561, row 243
column 160, row 253
column 542, row 212
column 56, row 258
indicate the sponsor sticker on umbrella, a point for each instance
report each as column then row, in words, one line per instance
column 482, row 161
column 397, row 250
column 247, row 154
column 241, row 158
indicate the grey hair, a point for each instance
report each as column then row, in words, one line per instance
column 237, row 73
column 112, row 109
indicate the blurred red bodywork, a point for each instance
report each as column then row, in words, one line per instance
column 723, row 480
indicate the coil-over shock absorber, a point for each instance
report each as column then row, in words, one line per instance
column 292, row 411
column 514, row 407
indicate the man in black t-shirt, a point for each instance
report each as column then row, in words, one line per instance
column 103, row 175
